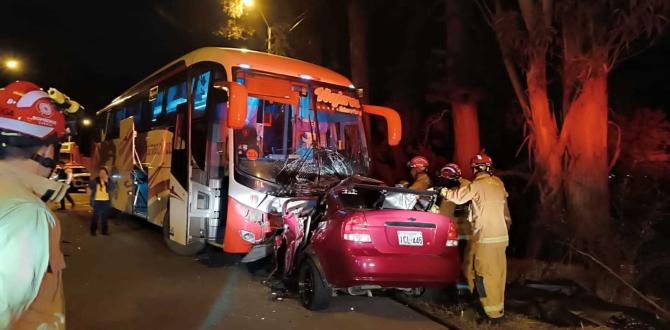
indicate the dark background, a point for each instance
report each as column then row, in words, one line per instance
column 94, row 50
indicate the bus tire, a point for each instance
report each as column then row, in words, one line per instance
column 192, row 248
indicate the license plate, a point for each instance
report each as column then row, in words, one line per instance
column 411, row 238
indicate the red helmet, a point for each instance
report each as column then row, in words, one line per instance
column 418, row 162
column 481, row 159
column 29, row 111
column 450, row 171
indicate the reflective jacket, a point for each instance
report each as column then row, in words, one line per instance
column 93, row 186
column 463, row 225
column 490, row 215
column 31, row 261
column 422, row 182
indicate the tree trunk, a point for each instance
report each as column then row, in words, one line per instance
column 466, row 133
column 462, row 97
column 586, row 179
column 545, row 131
column 547, row 157
column 358, row 52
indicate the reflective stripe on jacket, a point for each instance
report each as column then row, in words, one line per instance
column 490, row 215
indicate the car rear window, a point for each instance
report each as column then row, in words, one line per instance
column 377, row 198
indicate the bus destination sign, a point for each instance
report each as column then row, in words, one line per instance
column 328, row 99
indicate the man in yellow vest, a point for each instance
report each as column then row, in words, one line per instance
column 418, row 170
column 490, row 225
column 31, row 262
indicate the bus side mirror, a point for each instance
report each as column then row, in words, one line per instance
column 393, row 124
column 237, row 102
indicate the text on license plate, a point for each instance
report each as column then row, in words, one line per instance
column 412, row 238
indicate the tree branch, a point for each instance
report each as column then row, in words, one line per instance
column 429, row 126
column 617, row 151
column 486, row 12
column 663, row 312
column 528, row 13
column 516, row 84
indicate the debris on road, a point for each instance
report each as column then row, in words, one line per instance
column 565, row 303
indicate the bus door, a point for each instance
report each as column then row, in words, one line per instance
column 123, row 166
column 179, row 180
column 206, row 172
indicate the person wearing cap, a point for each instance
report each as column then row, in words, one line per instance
column 418, row 170
column 490, row 225
column 31, row 262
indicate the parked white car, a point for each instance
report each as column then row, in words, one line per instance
column 80, row 176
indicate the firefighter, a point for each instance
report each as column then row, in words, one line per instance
column 490, row 224
column 450, row 175
column 31, row 287
column 418, row 170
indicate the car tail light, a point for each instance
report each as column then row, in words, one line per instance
column 356, row 230
column 452, row 235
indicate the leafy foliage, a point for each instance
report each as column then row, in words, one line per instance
column 234, row 29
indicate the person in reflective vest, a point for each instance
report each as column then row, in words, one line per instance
column 450, row 177
column 418, row 170
column 490, row 225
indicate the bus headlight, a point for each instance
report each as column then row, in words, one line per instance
column 248, row 236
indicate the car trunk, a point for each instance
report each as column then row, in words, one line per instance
column 407, row 232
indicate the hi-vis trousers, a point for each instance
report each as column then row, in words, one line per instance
column 489, row 275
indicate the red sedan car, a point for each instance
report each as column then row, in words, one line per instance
column 362, row 236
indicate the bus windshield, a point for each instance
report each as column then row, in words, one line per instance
column 320, row 134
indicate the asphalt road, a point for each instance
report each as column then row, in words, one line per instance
column 130, row 280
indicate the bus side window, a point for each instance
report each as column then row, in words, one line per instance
column 163, row 107
column 200, row 90
column 139, row 109
column 117, row 114
column 176, row 95
column 157, row 107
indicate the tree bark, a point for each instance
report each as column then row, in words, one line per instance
column 586, row 179
column 466, row 133
column 545, row 132
column 462, row 95
column 547, row 155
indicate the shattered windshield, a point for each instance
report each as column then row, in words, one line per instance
column 312, row 143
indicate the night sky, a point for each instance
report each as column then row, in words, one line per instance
column 93, row 50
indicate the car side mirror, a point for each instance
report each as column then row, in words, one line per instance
column 393, row 124
column 237, row 102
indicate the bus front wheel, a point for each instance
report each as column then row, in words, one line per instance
column 192, row 248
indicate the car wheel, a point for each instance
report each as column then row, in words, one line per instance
column 312, row 289
column 192, row 248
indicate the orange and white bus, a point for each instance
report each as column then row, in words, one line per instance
column 209, row 146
